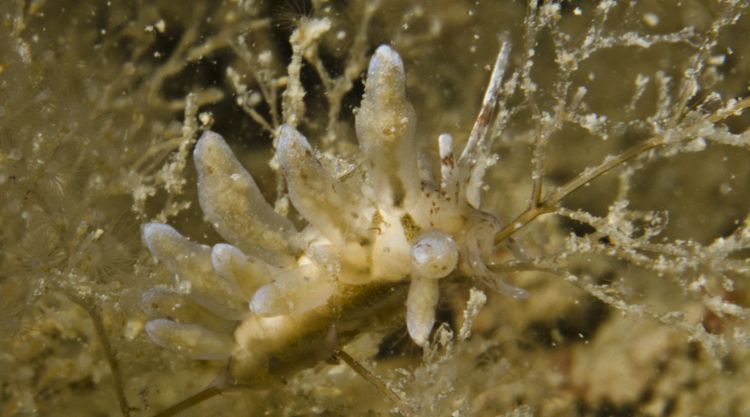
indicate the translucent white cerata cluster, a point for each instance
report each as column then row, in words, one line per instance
column 389, row 220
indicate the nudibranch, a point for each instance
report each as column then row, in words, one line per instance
column 388, row 221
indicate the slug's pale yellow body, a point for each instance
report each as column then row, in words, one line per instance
column 286, row 297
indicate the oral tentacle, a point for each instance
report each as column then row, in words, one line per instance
column 420, row 308
column 478, row 247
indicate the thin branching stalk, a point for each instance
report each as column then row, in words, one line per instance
column 101, row 334
column 365, row 373
column 549, row 203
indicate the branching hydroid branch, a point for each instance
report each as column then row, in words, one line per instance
column 365, row 373
column 550, row 202
column 714, row 344
column 101, row 334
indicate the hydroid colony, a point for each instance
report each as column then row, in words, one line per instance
column 644, row 91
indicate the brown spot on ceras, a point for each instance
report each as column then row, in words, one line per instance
column 484, row 116
column 411, row 229
column 448, row 160
column 377, row 220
